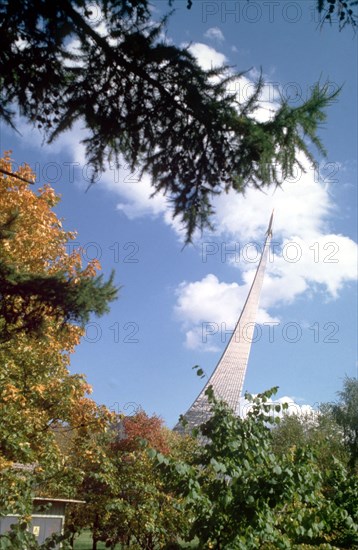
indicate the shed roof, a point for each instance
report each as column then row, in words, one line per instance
column 64, row 500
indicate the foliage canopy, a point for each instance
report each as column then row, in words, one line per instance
column 239, row 494
column 38, row 395
column 36, row 273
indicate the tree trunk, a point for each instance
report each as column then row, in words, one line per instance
column 94, row 532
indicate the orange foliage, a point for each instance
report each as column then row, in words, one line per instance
column 37, row 391
column 141, row 426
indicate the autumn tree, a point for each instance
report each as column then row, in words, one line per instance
column 146, row 102
column 123, row 489
column 35, row 280
column 38, row 395
column 133, row 429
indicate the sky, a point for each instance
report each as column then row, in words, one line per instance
column 177, row 305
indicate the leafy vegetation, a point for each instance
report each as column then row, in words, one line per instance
column 242, row 483
column 256, row 482
column 38, row 395
column 36, row 274
column 238, row 493
column 345, row 413
column 126, row 501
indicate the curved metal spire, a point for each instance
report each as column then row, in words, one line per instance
column 227, row 380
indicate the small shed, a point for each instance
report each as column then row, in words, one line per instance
column 48, row 517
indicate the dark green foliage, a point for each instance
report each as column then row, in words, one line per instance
column 341, row 490
column 39, row 292
column 238, row 494
column 146, row 102
column 342, row 11
column 67, row 301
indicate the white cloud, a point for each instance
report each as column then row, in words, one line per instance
column 194, row 339
column 303, row 207
column 306, row 255
column 135, row 194
column 210, row 308
column 293, row 408
column 301, row 204
column 244, row 87
column 207, row 57
column 323, row 262
column 214, row 33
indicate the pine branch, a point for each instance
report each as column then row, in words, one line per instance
column 26, row 299
column 150, row 105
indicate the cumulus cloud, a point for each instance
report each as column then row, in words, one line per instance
column 293, row 408
column 307, row 255
column 133, row 190
column 209, row 307
column 207, row 57
column 302, row 205
column 214, row 33
column 135, row 194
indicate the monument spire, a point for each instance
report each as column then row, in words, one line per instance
column 227, row 380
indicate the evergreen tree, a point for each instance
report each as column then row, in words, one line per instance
column 342, row 11
column 146, row 102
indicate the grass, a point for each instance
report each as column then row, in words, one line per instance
column 84, row 542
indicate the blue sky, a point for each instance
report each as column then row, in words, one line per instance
column 177, row 305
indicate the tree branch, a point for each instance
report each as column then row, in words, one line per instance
column 7, row 173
